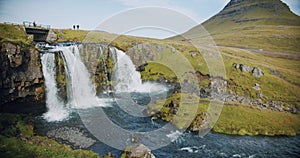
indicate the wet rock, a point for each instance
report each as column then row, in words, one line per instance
column 138, row 151
column 257, row 72
column 141, row 67
column 108, row 155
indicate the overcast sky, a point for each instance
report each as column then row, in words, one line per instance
column 90, row 13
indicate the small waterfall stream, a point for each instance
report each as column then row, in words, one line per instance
column 81, row 91
column 56, row 110
column 129, row 80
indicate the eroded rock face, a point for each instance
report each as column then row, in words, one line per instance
column 14, row 54
column 21, row 81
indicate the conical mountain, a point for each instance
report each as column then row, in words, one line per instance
column 256, row 24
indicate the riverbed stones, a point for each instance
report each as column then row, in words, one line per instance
column 72, row 135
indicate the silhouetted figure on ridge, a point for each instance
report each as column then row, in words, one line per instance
column 34, row 24
column 77, row 27
column 73, row 27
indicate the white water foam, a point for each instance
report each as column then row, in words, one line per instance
column 174, row 135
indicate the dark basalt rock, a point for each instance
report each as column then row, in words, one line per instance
column 21, row 81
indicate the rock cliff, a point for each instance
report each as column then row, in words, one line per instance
column 21, row 82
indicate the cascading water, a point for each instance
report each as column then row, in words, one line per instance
column 80, row 90
column 81, row 93
column 128, row 79
column 56, row 110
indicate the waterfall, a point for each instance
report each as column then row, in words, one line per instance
column 56, row 110
column 128, row 79
column 81, row 92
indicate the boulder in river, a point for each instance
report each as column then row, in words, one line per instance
column 137, row 151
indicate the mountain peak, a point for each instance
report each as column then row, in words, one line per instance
column 260, row 24
column 256, row 9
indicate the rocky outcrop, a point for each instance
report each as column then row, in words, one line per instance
column 141, row 67
column 21, row 82
column 145, row 52
column 200, row 122
column 257, row 72
column 216, row 90
column 100, row 61
column 137, row 151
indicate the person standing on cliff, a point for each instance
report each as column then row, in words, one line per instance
column 77, row 27
column 73, row 27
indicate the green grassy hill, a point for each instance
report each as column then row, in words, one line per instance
column 256, row 24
